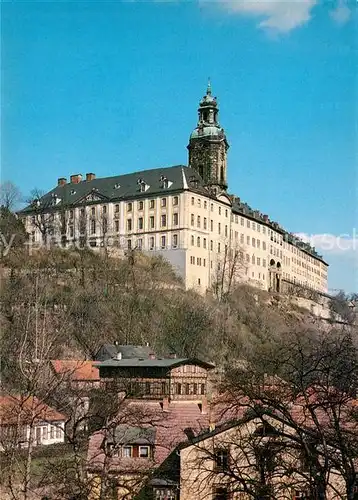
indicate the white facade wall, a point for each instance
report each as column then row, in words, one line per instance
column 192, row 231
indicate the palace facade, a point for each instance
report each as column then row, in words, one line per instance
column 185, row 213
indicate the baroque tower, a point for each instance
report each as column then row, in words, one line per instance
column 208, row 145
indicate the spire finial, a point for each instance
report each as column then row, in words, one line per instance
column 208, row 90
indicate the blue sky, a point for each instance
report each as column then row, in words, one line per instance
column 113, row 87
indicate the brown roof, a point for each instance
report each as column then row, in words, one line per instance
column 76, row 369
column 170, row 428
column 24, row 410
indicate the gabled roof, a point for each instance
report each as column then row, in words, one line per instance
column 75, row 369
column 14, row 409
column 121, row 187
column 153, row 363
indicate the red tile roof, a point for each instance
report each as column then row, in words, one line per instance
column 170, row 429
column 76, row 369
column 24, row 410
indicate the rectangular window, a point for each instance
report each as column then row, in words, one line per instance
column 258, row 261
column 192, row 240
column 163, row 220
column 218, row 247
column 175, row 200
column 205, row 223
column 163, row 202
column 129, row 224
column 198, row 241
column 116, row 209
column 175, row 240
column 221, row 457
column 199, row 202
column 205, row 204
column 192, row 219
column 211, row 225
column 211, row 207
column 144, row 451
column 198, row 221
column 139, row 243
column 93, row 227
column 163, row 241
column 140, row 205
column 151, row 222
column 204, row 262
column 152, row 204
column 127, row 451
column 192, row 200
column 151, row 243
column 129, row 244
column 129, row 207
column 248, row 223
column 226, row 231
column 140, row 222
column 58, row 432
column 71, row 214
column 52, row 432
column 263, row 262
column 253, row 242
column 219, row 228
column 104, row 209
column 71, row 232
column 219, row 210
column 248, row 240
column 204, row 242
column 258, row 243
column 45, row 433
column 211, row 245
column 116, row 226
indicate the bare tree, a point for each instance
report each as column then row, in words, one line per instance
column 10, row 195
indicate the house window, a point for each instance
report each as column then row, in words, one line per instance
column 175, row 219
column 58, row 432
column 45, row 433
column 151, row 243
column 248, row 223
column 218, row 247
column 129, row 224
column 226, row 230
column 198, row 221
column 198, row 241
column 152, row 204
column 225, row 213
column 219, row 210
column 263, row 245
column 71, row 232
column 163, row 241
column 116, row 209
column 93, row 227
column 175, row 240
column 192, row 240
column 258, row 261
column 192, row 220
column 253, row 259
column 211, row 245
column 71, row 214
column 211, row 225
column 104, row 209
column 205, row 223
column 116, row 226
column 192, row 200
column 199, row 202
column 253, row 242
column 140, row 205
column 127, row 451
column 140, row 223
column 205, row 204
column 163, row 220
column 151, row 222
column 144, row 451
column 221, row 457
column 140, row 243
column 220, row 493
column 163, row 202
column 219, row 228
column 204, row 242
column 129, row 207
column 129, row 244
column 175, row 200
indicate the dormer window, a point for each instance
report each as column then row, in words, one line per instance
column 165, row 183
column 117, row 185
column 143, row 186
column 72, row 191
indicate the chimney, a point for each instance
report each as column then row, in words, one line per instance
column 90, row 177
column 152, row 355
column 61, row 181
column 76, row 178
column 166, row 404
column 265, row 217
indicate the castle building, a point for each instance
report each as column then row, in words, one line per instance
column 184, row 213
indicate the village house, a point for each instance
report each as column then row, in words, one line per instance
column 25, row 419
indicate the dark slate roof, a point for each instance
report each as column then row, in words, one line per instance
column 152, row 363
column 110, row 351
column 121, row 187
column 126, row 434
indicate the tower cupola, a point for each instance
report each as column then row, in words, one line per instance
column 208, row 145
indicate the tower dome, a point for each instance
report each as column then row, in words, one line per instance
column 207, row 143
